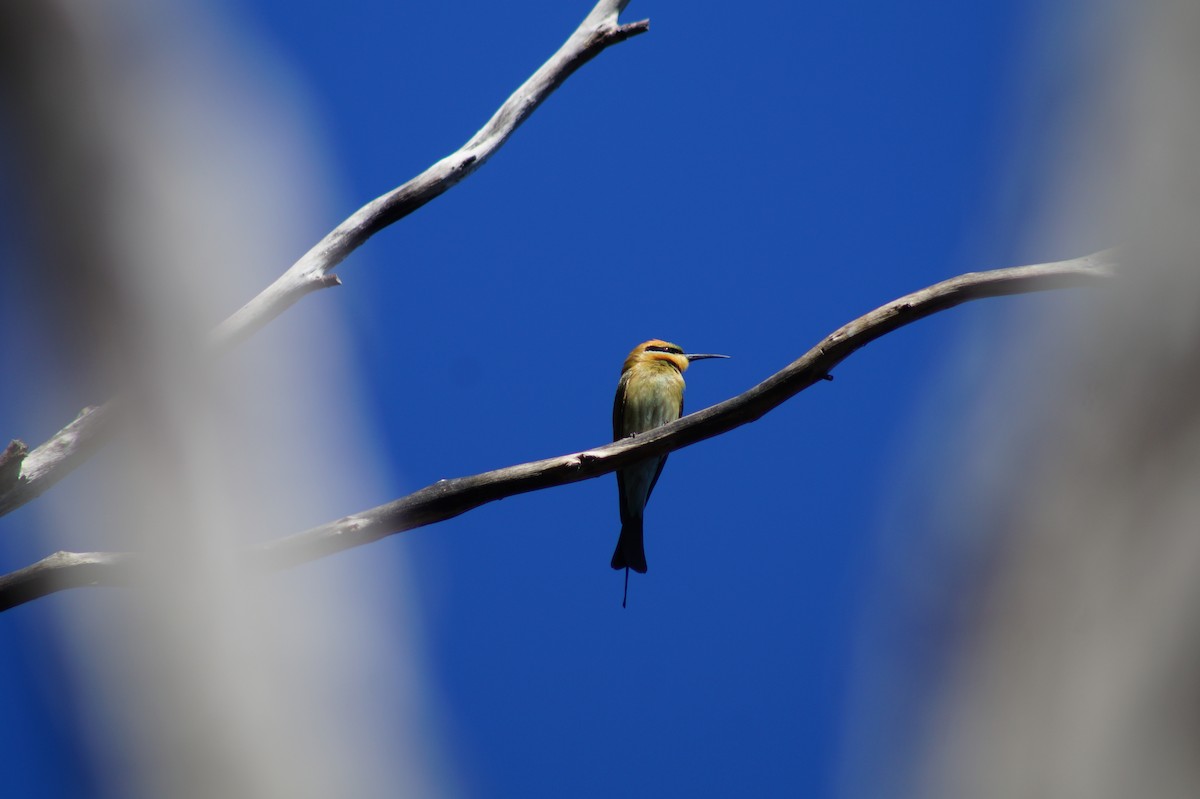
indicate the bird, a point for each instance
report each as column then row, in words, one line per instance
column 649, row 395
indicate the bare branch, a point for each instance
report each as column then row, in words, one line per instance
column 596, row 33
column 64, row 570
column 72, row 445
column 449, row 498
column 40, row 469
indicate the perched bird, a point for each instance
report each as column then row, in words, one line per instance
column 649, row 394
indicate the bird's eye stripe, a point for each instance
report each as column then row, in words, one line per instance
column 672, row 350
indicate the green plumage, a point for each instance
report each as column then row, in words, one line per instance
column 649, row 395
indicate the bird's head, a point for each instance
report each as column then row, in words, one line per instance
column 659, row 350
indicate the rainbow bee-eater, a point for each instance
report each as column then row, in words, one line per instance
column 649, row 394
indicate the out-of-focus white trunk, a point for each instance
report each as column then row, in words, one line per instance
column 1070, row 636
column 169, row 176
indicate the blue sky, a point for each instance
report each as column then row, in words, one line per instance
column 739, row 180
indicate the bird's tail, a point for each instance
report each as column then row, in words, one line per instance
column 630, row 552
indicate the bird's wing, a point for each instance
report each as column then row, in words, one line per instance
column 661, row 463
column 619, row 406
column 618, row 414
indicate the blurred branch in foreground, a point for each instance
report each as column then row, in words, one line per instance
column 1040, row 635
column 1077, row 671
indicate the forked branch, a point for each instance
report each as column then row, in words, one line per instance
column 449, row 498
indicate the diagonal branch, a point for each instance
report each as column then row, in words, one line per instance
column 29, row 473
column 64, row 570
column 449, row 498
column 71, row 446
column 596, row 33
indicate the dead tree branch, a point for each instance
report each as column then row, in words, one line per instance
column 449, row 498
column 50, row 462
column 28, row 474
column 597, row 32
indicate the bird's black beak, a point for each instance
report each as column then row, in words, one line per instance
column 694, row 357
